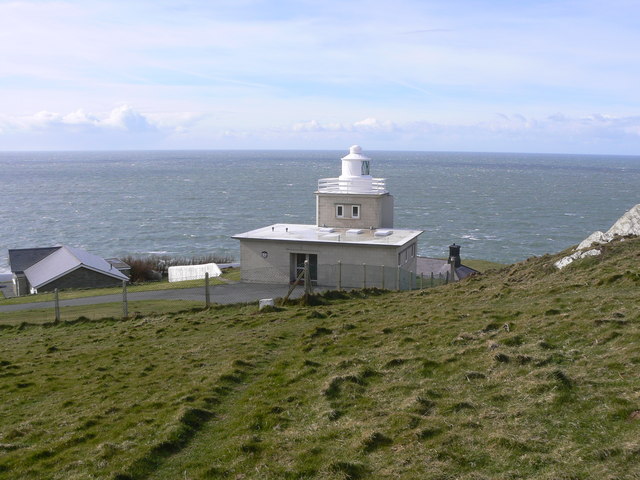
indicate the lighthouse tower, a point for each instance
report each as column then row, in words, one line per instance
column 355, row 199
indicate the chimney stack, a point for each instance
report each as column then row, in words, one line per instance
column 454, row 255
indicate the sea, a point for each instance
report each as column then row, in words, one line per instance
column 502, row 207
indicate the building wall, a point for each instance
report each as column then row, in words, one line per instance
column 81, row 278
column 269, row 261
column 375, row 210
column 20, row 284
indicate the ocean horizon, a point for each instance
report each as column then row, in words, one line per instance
column 503, row 207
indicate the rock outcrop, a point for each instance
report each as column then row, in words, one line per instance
column 627, row 224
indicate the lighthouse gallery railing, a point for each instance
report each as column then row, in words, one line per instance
column 335, row 185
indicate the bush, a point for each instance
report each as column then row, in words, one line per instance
column 154, row 267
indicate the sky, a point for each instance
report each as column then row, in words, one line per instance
column 536, row 76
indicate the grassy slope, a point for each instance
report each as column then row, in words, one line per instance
column 482, row 265
column 522, row 373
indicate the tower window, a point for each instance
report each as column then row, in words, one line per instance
column 339, row 211
column 365, row 167
column 355, row 211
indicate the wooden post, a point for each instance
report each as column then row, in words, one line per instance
column 398, row 278
column 339, row 284
column 57, row 305
column 432, row 280
column 125, row 305
column 421, row 280
column 207, row 298
column 446, row 279
column 364, row 275
column 307, row 278
column 412, row 280
column 382, row 268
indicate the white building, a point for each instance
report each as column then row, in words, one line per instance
column 352, row 244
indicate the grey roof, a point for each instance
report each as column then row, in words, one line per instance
column 439, row 266
column 22, row 258
column 65, row 260
column 119, row 264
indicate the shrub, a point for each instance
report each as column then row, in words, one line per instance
column 154, row 267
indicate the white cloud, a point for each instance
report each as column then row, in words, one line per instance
column 123, row 118
column 557, row 133
column 126, row 118
column 369, row 124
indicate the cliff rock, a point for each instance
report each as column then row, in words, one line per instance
column 627, row 224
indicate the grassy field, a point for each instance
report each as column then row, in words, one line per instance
column 231, row 274
column 525, row 372
column 97, row 311
column 482, row 265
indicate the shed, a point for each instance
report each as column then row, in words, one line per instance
column 45, row 269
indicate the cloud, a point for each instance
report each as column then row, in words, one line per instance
column 366, row 125
column 123, row 118
column 556, row 133
column 121, row 127
column 126, row 118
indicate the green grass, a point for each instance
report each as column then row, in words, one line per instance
column 482, row 265
column 526, row 372
column 232, row 274
column 97, row 311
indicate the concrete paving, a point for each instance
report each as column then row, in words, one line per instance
column 223, row 294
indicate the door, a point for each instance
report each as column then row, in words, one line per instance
column 298, row 260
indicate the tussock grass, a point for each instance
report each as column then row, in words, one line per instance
column 474, row 380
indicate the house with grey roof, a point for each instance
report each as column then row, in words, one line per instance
column 451, row 268
column 45, row 269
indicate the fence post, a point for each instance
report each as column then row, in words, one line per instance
column 412, row 279
column 446, row 278
column 307, row 279
column 57, row 305
column 364, row 275
column 432, row 284
column 125, row 305
column 207, row 298
column 421, row 280
column 339, row 284
column 398, row 278
column 382, row 268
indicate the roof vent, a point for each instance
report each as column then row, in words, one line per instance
column 326, row 229
column 383, row 232
column 355, row 231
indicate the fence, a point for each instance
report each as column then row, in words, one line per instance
column 266, row 283
column 348, row 276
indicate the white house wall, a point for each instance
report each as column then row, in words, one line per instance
column 375, row 210
column 269, row 261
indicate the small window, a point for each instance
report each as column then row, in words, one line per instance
column 364, row 168
column 355, row 211
column 340, row 211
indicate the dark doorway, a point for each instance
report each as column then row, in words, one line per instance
column 298, row 259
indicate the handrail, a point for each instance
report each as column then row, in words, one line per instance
column 357, row 185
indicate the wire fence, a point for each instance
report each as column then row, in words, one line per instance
column 254, row 285
column 348, row 276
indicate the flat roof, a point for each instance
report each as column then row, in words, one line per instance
column 311, row 233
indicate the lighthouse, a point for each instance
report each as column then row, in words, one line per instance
column 354, row 199
column 355, row 176
column 353, row 236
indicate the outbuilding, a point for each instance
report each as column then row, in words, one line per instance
column 45, row 269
